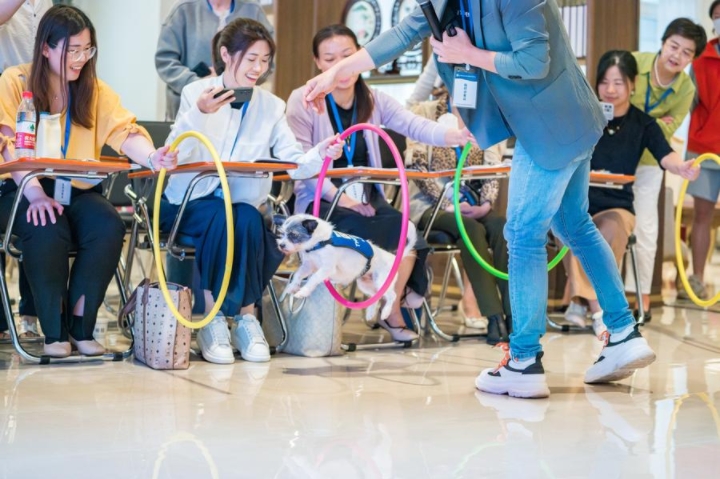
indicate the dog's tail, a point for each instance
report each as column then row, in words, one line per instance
column 411, row 240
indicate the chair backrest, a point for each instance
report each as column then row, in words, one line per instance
column 385, row 154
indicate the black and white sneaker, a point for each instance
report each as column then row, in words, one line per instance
column 521, row 379
column 624, row 352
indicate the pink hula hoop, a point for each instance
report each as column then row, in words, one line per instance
column 405, row 214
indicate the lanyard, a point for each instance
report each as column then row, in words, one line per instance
column 237, row 135
column 648, row 106
column 68, row 125
column 349, row 149
column 467, row 20
column 232, row 6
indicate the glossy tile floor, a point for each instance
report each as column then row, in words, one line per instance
column 398, row 413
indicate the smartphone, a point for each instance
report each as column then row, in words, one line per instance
column 241, row 95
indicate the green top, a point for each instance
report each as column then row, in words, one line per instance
column 676, row 104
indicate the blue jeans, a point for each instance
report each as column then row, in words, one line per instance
column 539, row 200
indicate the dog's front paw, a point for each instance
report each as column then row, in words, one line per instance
column 291, row 288
column 303, row 292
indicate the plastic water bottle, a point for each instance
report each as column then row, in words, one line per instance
column 25, row 128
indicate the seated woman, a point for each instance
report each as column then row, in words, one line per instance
column 364, row 211
column 242, row 54
column 484, row 295
column 619, row 150
column 63, row 80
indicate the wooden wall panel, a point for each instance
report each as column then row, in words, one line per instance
column 296, row 23
column 612, row 25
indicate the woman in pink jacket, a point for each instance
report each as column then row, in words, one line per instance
column 363, row 210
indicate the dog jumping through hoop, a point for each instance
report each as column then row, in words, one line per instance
column 326, row 254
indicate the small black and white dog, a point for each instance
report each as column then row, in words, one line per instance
column 328, row 255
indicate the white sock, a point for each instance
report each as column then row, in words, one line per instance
column 623, row 333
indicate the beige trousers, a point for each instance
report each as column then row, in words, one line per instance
column 615, row 225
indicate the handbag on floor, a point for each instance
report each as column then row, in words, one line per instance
column 313, row 324
column 161, row 342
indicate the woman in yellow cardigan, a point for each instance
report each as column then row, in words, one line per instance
column 63, row 80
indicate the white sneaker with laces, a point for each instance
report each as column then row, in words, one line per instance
column 521, row 379
column 214, row 341
column 597, row 323
column 248, row 338
column 576, row 314
column 624, row 352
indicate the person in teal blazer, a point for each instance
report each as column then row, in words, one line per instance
column 529, row 85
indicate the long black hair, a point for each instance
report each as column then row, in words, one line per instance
column 623, row 59
column 57, row 25
column 363, row 95
column 238, row 36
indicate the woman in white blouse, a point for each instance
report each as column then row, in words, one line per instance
column 241, row 132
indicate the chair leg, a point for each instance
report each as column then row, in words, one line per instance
column 445, row 283
column 453, row 338
column 281, row 317
column 636, row 275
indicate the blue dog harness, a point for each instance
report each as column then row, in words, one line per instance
column 341, row 240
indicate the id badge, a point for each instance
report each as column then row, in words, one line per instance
column 356, row 191
column 608, row 110
column 465, row 88
column 63, row 191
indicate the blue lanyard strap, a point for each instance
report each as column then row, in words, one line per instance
column 349, row 149
column 467, row 20
column 237, row 135
column 648, row 106
column 68, row 126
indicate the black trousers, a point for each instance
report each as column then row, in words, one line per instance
column 256, row 256
column 383, row 229
column 91, row 227
column 484, row 233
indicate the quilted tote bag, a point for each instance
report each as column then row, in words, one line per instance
column 161, row 342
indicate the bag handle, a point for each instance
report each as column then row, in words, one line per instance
column 129, row 307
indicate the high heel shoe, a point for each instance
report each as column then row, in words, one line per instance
column 58, row 349
column 89, row 347
column 497, row 332
column 475, row 322
column 400, row 334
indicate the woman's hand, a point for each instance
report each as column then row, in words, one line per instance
column 162, row 158
column 332, row 147
column 468, row 211
column 207, row 103
column 41, row 204
column 456, row 137
column 688, row 170
column 362, row 208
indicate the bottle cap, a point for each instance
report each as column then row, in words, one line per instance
column 27, row 95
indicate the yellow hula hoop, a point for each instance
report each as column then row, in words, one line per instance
column 230, row 234
column 678, row 249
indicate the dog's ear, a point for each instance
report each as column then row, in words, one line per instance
column 278, row 220
column 310, row 225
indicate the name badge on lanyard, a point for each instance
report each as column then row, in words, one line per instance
column 355, row 190
column 465, row 79
column 63, row 186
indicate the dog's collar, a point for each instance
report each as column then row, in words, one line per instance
column 341, row 240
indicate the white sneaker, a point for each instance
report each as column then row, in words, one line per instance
column 576, row 314
column 214, row 341
column 248, row 338
column 521, row 379
column 597, row 323
column 624, row 352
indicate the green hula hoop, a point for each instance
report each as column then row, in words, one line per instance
column 463, row 233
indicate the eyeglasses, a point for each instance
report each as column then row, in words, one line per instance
column 77, row 55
